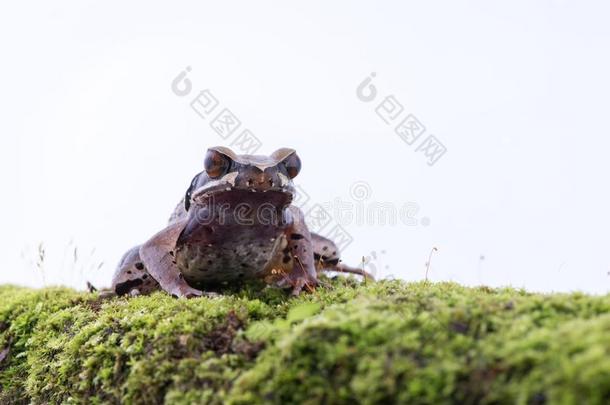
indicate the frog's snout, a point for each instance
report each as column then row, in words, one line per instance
column 260, row 182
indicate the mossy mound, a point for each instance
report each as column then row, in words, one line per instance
column 385, row 342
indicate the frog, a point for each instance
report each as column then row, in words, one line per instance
column 236, row 222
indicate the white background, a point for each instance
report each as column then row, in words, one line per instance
column 97, row 149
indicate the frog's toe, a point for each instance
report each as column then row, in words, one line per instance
column 197, row 294
column 184, row 291
column 283, row 283
column 298, row 284
column 326, row 285
column 298, row 287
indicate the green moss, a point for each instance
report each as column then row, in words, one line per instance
column 381, row 342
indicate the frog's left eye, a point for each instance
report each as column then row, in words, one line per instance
column 216, row 164
column 293, row 165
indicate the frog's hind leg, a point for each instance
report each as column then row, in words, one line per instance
column 131, row 276
column 328, row 258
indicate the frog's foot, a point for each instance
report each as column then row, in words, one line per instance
column 106, row 294
column 327, row 258
column 344, row 268
column 325, row 284
column 298, row 286
column 186, row 291
column 298, row 283
column 183, row 290
column 302, row 276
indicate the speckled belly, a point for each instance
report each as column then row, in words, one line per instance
column 234, row 253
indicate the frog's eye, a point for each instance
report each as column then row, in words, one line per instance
column 216, row 164
column 293, row 165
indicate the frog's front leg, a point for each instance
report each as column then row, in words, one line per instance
column 298, row 254
column 158, row 256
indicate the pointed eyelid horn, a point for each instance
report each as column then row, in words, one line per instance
column 262, row 162
column 281, row 154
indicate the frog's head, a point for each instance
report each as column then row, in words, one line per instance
column 239, row 178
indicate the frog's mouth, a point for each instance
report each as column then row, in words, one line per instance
column 225, row 193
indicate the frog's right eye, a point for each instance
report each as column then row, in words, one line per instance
column 216, row 164
column 292, row 164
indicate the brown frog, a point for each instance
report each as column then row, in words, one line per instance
column 236, row 222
